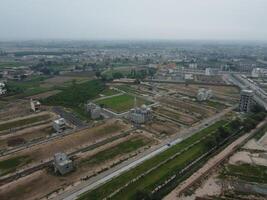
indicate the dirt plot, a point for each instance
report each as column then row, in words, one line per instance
column 188, row 107
column 225, row 93
column 162, row 128
column 10, row 126
column 71, row 142
column 176, row 115
column 44, row 95
column 44, row 182
column 62, row 80
column 15, row 109
column 26, row 135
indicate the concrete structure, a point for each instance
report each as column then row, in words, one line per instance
column 246, row 100
column 193, row 66
column 59, row 125
column 211, row 71
column 204, row 94
column 189, row 77
column 2, row 88
column 94, row 110
column 140, row 115
column 258, row 72
column 62, row 163
column 35, row 105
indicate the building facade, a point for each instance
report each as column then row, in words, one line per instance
column 140, row 115
column 94, row 110
column 35, row 105
column 246, row 100
column 62, row 163
column 204, row 94
column 59, row 125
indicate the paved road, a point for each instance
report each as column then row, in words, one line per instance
column 244, row 84
column 133, row 162
column 215, row 161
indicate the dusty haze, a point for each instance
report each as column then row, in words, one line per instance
column 133, row 19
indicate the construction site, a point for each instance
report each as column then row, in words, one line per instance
column 46, row 150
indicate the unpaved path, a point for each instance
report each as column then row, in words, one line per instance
column 211, row 164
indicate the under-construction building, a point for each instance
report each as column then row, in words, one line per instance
column 94, row 110
column 140, row 115
column 62, row 163
column 204, row 94
column 246, row 100
column 35, row 105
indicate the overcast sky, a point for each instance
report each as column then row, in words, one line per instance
column 133, row 19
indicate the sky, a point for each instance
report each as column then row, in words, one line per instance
column 133, row 19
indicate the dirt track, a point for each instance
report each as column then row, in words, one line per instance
column 210, row 164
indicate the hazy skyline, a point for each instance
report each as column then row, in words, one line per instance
column 134, row 19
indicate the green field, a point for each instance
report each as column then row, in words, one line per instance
column 12, row 164
column 122, row 148
column 11, row 64
column 246, row 172
column 76, row 95
column 216, row 105
column 160, row 174
column 23, row 122
column 121, row 103
column 109, row 92
column 27, row 87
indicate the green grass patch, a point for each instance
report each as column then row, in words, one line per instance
column 216, row 105
column 109, row 92
column 121, row 103
column 23, row 122
column 122, row 148
column 246, row 172
column 11, row 64
column 12, row 164
column 27, row 87
column 176, row 164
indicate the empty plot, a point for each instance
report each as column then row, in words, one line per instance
column 22, row 122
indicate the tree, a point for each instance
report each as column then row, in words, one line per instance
column 142, row 195
column 117, row 75
column 223, row 133
column 98, row 74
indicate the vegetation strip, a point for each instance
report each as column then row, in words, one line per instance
column 111, row 186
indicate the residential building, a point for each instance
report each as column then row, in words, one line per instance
column 59, row 125
column 62, row 163
column 35, row 105
column 204, row 94
column 2, row 88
